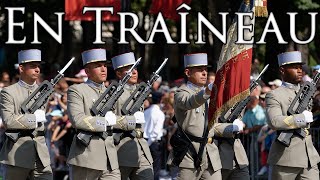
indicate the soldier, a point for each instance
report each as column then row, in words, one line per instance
column 234, row 159
column 27, row 156
column 134, row 155
column 299, row 160
column 200, row 159
column 96, row 159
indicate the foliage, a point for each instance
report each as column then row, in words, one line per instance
column 306, row 5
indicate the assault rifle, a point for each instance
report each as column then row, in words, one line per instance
column 135, row 101
column 106, row 102
column 39, row 97
column 299, row 104
column 234, row 112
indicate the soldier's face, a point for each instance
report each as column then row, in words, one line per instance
column 197, row 75
column 291, row 73
column 97, row 71
column 122, row 72
column 30, row 71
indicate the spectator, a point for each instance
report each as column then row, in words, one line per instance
column 305, row 73
column 316, row 111
column 256, row 91
column 1, row 85
column 164, row 88
column 265, row 137
column 58, row 138
column 265, row 89
column 156, row 84
column 255, row 117
column 80, row 77
column 211, row 77
column 255, row 69
column 275, row 83
column 262, row 96
column 153, row 131
column 315, row 69
column 5, row 79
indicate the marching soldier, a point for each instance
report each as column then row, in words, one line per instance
column 94, row 158
column 195, row 154
column 25, row 155
column 134, row 155
column 234, row 159
column 299, row 160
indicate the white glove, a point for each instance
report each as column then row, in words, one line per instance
column 40, row 115
column 110, row 118
column 210, row 86
column 139, row 117
column 308, row 116
column 237, row 125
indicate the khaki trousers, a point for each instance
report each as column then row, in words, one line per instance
column 144, row 172
column 19, row 173
column 294, row 173
column 235, row 173
column 82, row 173
column 205, row 173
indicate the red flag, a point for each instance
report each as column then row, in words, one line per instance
column 233, row 72
column 167, row 8
column 73, row 9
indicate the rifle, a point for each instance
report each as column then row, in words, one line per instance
column 299, row 104
column 39, row 97
column 234, row 112
column 141, row 93
column 106, row 102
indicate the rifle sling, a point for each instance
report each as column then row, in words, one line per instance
column 197, row 157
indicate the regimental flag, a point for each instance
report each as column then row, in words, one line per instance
column 233, row 69
column 167, row 8
column 73, row 10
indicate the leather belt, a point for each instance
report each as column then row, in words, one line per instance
column 102, row 135
column 295, row 133
column 25, row 133
column 137, row 133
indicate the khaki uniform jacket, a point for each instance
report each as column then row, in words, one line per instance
column 300, row 151
column 189, row 108
column 130, row 150
column 229, row 153
column 81, row 97
column 22, row 153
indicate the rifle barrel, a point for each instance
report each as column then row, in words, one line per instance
column 160, row 68
column 66, row 66
column 263, row 70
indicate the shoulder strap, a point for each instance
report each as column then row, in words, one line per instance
column 198, row 161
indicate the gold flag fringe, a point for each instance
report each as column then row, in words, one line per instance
column 226, row 106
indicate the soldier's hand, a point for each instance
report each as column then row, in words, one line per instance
column 139, row 116
column 110, row 118
column 237, row 125
column 308, row 116
column 40, row 115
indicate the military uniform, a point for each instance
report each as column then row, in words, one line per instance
column 134, row 155
column 300, row 159
column 233, row 157
column 97, row 160
column 133, row 152
column 29, row 155
column 190, row 112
